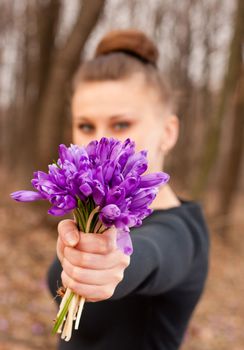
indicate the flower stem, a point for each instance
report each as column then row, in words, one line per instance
column 79, row 219
column 67, row 330
column 81, row 304
column 88, row 224
column 62, row 314
column 72, row 304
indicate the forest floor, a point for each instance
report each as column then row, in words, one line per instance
column 27, row 309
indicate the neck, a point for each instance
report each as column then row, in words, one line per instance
column 166, row 198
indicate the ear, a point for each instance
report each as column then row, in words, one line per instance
column 171, row 133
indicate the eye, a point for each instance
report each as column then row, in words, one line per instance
column 86, row 127
column 120, row 126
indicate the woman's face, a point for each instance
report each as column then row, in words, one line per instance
column 122, row 109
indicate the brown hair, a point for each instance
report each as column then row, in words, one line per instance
column 120, row 54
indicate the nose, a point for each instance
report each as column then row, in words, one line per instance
column 100, row 133
column 103, row 132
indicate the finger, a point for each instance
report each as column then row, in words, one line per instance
column 60, row 249
column 98, row 243
column 68, row 232
column 89, row 292
column 96, row 261
column 93, row 277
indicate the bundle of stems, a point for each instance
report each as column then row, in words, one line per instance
column 71, row 306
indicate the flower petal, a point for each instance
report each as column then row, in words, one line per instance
column 124, row 242
column 85, row 189
column 26, row 196
column 56, row 211
column 110, row 211
column 154, row 179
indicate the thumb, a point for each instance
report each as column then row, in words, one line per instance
column 68, row 232
column 110, row 235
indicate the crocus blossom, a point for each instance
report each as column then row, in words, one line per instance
column 108, row 172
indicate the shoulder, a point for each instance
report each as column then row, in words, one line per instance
column 185, row 223
column 189, row 212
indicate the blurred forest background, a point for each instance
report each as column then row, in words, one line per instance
column 201, row 44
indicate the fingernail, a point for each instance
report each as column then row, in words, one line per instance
column 70, row 238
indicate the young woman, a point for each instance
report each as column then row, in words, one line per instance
column 146, row 301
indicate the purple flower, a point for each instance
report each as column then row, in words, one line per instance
column 75, row 158
column 136, row 164
column 111, row 211
column 62, row 204
column 151, row 180
column 26, row 196
column 106, row 173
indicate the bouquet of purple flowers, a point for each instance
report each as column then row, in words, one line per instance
column 103, row 185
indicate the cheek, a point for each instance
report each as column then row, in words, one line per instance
column 151, row 141
column 154, row 151
column 76, row 137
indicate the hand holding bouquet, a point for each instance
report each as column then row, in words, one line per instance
column 102, row 184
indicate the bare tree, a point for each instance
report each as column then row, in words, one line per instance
column 232, row 75
column 64, row 63
column 234, row 95
column 36, row 121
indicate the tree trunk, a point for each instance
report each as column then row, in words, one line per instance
column 231, row 172
column 233, row 72
column 64, row 63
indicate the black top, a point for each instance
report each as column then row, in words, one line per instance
column 152, row 305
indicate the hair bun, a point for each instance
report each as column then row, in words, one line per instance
column 130, row 41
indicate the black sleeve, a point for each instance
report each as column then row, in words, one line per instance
column 162, row 257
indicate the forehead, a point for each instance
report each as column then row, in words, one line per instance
column 120, row 96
